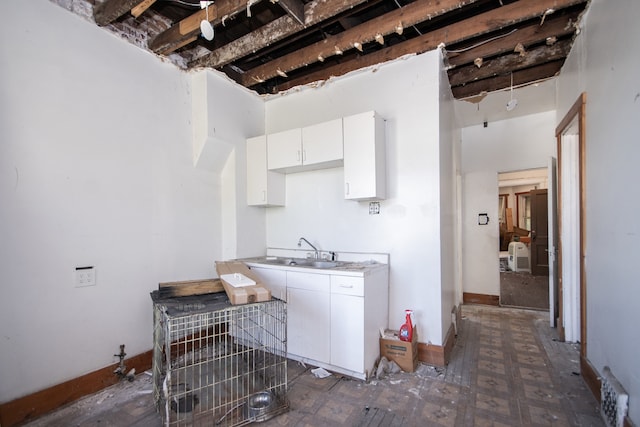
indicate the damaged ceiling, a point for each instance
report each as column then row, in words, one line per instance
column 273, row 45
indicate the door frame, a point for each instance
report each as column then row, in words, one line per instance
column 577, row 111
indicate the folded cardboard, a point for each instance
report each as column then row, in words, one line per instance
column 244, row 294
column 404, row 353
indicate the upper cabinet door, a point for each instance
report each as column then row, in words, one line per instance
column 364, row 157
column 322, row 144
column 264, row 188
column 284, row 149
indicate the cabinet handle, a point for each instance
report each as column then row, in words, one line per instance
column 298, row 155
column 346, row 286
column 346, row 188
column 264, row 195
column 304, row 155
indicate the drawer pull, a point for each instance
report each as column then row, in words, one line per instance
column 346, row 286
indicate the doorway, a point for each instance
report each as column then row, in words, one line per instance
column 572, row 296
column 523, row 223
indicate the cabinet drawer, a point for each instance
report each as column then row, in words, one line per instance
column 308, row 281
column 347, row 285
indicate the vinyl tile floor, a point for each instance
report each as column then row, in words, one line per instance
column 506, row 369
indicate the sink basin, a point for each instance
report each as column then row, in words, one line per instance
column 323, row 264
column 300, row 262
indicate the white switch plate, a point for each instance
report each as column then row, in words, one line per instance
column 85, row 276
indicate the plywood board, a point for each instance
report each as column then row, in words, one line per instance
column 246, row 294
column 189, row 287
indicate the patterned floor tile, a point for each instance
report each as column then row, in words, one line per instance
column 537, row 375
column 493, row 404
column 491, row 366
column 491, row 352
column 493, row 383
column 547, row 417
column 441, row 415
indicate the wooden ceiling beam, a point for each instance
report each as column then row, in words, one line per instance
column 141, row 7
column 315, row 12
column 176, row 36
column 110, row 10
column 372, row 30
column 295, row 8
column 411, row 14
column 558, row 26
column 512, row 61
column 487, row 22
column 541, row 72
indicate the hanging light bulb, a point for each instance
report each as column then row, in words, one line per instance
column 205, row 26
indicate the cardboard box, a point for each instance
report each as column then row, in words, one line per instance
column 245, row 294
column 404, row 353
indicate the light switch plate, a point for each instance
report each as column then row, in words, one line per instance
column 85, row 276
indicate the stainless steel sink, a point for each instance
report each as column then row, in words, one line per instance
column 299, row 262
column 324, row 264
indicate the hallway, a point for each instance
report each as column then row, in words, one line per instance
column 506, row 369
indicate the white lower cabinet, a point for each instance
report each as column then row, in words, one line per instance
column 347, row 331
column 308, row 316
column 333, row 320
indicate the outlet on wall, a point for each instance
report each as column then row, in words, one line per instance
column 85, row 276
column 374, row 208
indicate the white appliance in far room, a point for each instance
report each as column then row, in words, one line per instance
column 519, row 257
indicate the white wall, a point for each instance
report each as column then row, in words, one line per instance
column 524, row 142
column 449, row 167
column 96, row 167
column 601, row 65
column 405, row 93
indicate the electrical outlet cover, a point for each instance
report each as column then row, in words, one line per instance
column 85, row 276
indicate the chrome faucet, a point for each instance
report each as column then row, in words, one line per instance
column 316, row 253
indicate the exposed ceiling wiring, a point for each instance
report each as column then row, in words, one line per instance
column 482, row 42
column 184, row 3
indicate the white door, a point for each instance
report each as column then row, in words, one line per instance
column 570, row 237
column 553, row 241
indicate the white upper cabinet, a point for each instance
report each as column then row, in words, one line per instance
column 312, row 147
column 364, row 157
column 322, row 144
column 264, row 188
column 284, row 149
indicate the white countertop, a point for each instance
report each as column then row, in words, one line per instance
column 343, row 268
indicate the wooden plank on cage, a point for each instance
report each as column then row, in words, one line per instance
column 245, row 294
column 189, row 287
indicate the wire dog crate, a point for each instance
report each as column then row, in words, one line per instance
column 218, row 364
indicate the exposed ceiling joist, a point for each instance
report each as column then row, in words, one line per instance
column 110, row 10
column 274, row 45
column 514, row 62
column 487, row 22
column 175, row 37
column 354, row 38
column 279, row 29
column 141, row 7
column 558, row 26
column 295, row 8
column 521, row 77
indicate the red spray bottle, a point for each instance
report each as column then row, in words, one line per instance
column 406, row 330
